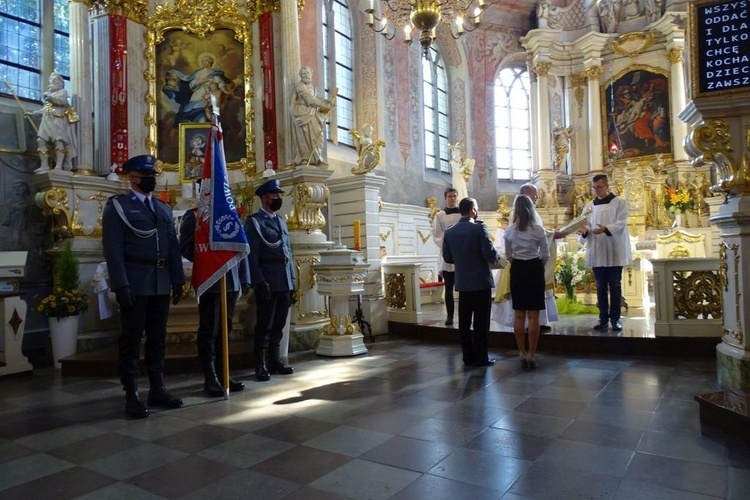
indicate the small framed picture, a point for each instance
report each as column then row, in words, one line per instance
column 193, row 140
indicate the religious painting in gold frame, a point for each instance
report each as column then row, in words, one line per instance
column 192, row 150
column 636, row 116
column 195, row 49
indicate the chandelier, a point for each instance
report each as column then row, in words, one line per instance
column 424, row 16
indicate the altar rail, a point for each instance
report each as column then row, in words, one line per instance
column 689, row 297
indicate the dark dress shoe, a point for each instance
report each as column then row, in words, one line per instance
column 487, row 362
column 261, row 373
column 213, row 388
column 236, row 385
column 449, row 321
column 616, row 326
column 279, row 368
column 160, row 397
column 134, row 407
column 601, row 326
column 545, row 328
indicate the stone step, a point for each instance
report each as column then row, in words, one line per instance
column 728, row 411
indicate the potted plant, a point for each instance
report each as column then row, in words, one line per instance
column 64, row 304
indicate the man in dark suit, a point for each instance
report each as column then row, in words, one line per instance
column 467, row 244
column 144, row 266
column 210, row 345
column 272, row 275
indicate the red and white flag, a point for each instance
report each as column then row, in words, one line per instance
column 220, row 240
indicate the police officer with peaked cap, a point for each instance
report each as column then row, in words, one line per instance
column 272, row 275
column 145, row 267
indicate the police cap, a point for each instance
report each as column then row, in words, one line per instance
column 271, row 186
column 142, row 162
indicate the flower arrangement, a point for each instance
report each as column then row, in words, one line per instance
column 677, row 200
column 570, row 270
column 66, row 299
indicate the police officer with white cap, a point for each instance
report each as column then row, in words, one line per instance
column 272, row 275
column 145, row 267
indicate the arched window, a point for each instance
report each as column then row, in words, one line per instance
column 338, row 68
column 512, row 124
column 25, row 36
column 435, row 98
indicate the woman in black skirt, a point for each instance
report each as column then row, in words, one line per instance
column 527, row 249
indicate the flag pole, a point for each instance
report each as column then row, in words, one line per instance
column 225, row 337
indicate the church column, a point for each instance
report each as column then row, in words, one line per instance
column 594, row 118
column 533, row 112
column 543, row 133
column 80, row 81
column 677, row 102
column 290, row 65
column 579, row 154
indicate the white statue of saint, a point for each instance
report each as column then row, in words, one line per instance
column 56, row 134
column 309, row 117
column 561, row 142
column 461, row 170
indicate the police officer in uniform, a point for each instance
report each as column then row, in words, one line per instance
column 272, row 275
column 209, row 341
column 144, row 266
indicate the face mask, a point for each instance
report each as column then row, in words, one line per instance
column 147, row 184
column 276, row 204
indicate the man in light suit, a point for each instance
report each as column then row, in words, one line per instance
column 467, row 244
column 272, row 275
column 144, row 266
column 210, row 345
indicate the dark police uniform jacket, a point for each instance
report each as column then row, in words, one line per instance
column 147, row 265
column 272, row 265
column 237, row 277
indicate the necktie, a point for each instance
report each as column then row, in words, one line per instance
column 147, row 202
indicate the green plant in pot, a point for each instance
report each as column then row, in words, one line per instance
column 66, row 298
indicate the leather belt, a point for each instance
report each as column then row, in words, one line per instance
column 159, row 263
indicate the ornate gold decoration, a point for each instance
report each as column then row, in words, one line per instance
column 578, row 80
column 679, row 236
column 732, row 337
column 593, row 73
column 502, row 206
column 54, row 203
column 312, row 283
column 697, row 293
column 679, row 252
column 76, row 223
column 384, row 236
column 200, row 19
column 369, row 158
column 306, row 213
column 424, row 237
column 674, row 55
column 711, row 143
column 542, row 68
column 135, row 10
column 352, row 278
column 632, row 44
column 433, row 206
column 579, row 90
column 380, row 204
column 395, row 290
column 332, row 327
column 256, row 8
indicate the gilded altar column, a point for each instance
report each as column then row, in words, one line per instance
column 80, row 81
column 677, row 104
column 596, row 157
column 290, row 65
column 543, row 133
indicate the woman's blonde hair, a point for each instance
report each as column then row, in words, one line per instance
column 524, row 213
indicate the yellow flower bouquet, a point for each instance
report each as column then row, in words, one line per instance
column 66, row 298
column 677, row 201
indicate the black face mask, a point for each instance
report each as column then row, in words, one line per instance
column 276, row 204
column 147, row 184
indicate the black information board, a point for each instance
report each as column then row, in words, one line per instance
column 722, row 40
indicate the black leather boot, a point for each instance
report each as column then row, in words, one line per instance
column 211, row 386
column 261, row 370
column 275, row 365
column 158, row 395
column 234, row 385
column 134, row 407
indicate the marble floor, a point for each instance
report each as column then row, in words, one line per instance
column 404, row 421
